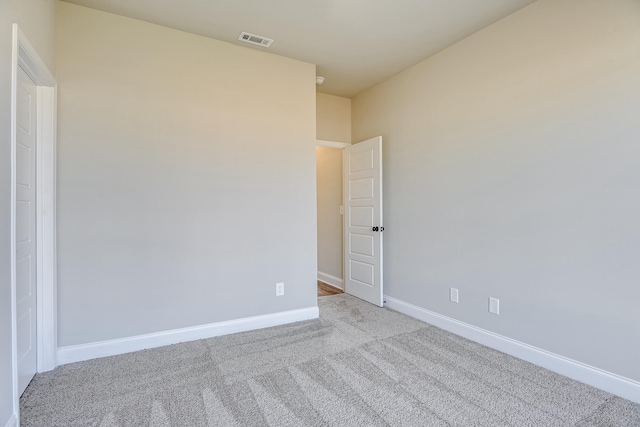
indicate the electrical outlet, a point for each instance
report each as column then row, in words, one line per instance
column 279, row 289
column 494, row 305
column 453, row 295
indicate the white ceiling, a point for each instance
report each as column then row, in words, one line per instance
column 355, row 44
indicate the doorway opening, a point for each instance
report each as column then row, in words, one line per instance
column 349, row 184
column 329, row 217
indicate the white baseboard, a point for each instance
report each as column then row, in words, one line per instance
column 607, row 381
column 334, row 281
column 13, row 421
column 78, row 353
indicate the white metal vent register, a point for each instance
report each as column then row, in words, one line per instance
column 253, row 39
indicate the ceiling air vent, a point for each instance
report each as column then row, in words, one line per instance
column 253, row 39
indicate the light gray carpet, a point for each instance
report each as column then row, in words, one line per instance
column 357, row 365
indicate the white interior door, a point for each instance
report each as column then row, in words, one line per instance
column 25, row 229
column 362, row 175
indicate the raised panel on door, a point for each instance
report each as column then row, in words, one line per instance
column 361, row 244
column 361, row 189
column 361, row 160
column 362, row 169
column 360, row 216
column 363, row 273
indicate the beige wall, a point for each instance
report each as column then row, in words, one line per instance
column 329, row 190
column 36, row 20
column 511, row 170
column 333, row 118
column 186, row 185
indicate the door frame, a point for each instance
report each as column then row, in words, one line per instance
column 341, row 146
column 331, row 144
column 27, row 58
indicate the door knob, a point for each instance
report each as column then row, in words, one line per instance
column 375, row 229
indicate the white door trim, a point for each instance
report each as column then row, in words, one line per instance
column 331, row 144
column 26, row 57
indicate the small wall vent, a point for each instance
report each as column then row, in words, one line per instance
column 253, row 39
